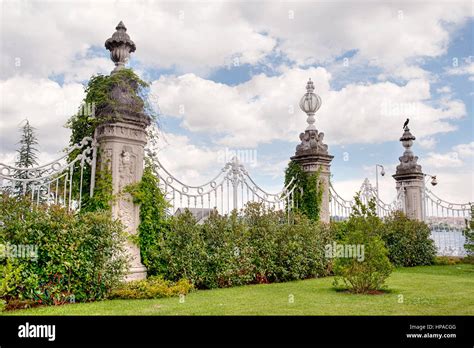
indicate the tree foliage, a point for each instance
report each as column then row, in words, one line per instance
column 27, row 153
column 366, row 273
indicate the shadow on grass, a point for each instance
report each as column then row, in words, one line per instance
column 370, row 292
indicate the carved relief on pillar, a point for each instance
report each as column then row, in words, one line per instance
column 106, row 157
column 122, row 130
column 312, row 142
column 127, row 175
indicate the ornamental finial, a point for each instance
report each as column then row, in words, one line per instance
column 310, row 103
column 310, row 86
column 408, row 161
column 120, row 46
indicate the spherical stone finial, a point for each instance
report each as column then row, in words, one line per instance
column 120, row 46
column 310, row 103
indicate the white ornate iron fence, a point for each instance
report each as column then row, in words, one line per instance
column 341, row 209
column 447, row 222
column 57, row 182
column 230, row 189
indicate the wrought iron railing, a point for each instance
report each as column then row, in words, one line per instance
column 341, row 209
column 230, row 189
column 54, row 182
column 447, row 222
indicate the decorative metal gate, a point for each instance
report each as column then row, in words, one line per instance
column 58, row 182
column 230, row 189
column 340, row 209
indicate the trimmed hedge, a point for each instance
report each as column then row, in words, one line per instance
column 257, row 247
column 80, row 257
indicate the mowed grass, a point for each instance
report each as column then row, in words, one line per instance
column 430, row 290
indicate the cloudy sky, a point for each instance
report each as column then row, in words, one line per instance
column 228, row 76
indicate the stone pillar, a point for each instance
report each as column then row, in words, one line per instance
column 410, row 180
column 121, row 144
column 312, row 154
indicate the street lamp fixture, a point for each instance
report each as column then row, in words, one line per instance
column 434, row 182
column 382, row 172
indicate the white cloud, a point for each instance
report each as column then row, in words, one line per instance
column 388, row 35
column 444, row 89
column 465, row 69
column 188, row 162
column 266, row 108
column 200, row 37
column 459, row 156
column 428, row 143
column 443, row 160
column 47, row 106
column 186, row 36
column 465, row 150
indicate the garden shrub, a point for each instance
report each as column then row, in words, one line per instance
column 369, row 272
column 152, row 287
column 447, row 260
column 181, row 250
column 228, row 251
column 300, row 251
column 408, row 241
column 258, row 246
column 80, row 257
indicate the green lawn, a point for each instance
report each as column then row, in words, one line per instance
column 432, row 290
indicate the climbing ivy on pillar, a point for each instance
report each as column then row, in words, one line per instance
column 308, row 192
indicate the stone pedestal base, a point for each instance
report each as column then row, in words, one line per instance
column 136, row 273
column 410, row 189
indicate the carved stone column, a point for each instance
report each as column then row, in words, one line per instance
column 121, row 144
column 410, row 180
column 312, row 154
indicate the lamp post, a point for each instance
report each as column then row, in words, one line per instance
column 382, row 172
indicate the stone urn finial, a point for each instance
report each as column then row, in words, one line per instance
column 310, row 103
column 408, row 161
column 120, row 46
column 407, row 140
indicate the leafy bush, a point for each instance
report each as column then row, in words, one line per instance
column 408, row 241
column 369, row 272
column 257, row 247
column 152, row 287
column 80, row 257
